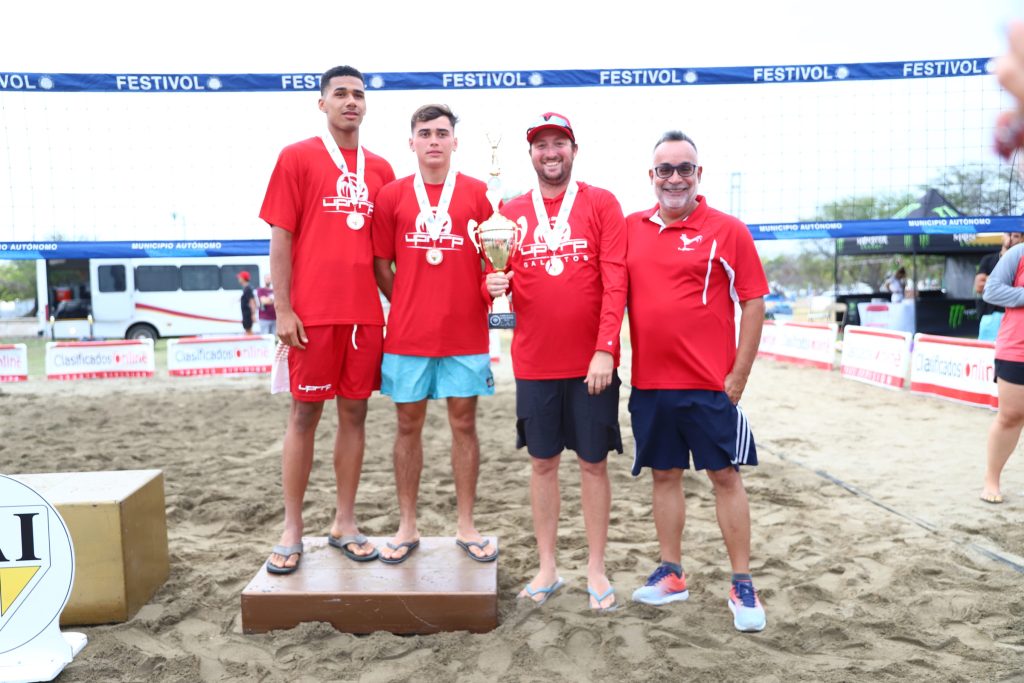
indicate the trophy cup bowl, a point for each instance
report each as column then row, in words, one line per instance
column 497, row 238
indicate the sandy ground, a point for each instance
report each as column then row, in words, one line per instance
column 884, row 579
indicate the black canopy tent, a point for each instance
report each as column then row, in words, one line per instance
column 948, row 309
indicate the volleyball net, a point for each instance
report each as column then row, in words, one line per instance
column 816, row 150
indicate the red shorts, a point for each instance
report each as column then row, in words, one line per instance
column 339, row 360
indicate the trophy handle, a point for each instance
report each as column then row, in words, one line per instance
column 471, row 228
column 519, row 236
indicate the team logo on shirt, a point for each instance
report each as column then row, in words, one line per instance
column 351, row 197
column 441, row 225
column 554, row 248
column 687, row 241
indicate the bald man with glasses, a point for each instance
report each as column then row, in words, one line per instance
column 689, row 266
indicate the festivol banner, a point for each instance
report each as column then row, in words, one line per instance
column 99, row 359
column 242, row 354
column 960, row 370
column 879, row 357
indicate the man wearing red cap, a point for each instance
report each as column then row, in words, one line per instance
column 568, row 284
column 248, row 301
column 319, row 204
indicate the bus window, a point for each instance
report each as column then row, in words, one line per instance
column 229, row 275
column 200, row 278
column 157, row 278
column 111, row 278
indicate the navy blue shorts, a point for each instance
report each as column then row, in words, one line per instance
column 1009, row 371
column 555, row 414
column 670, row 424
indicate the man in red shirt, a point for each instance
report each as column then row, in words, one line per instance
column 319, row 204
column 689, row 265
column 568, row 283
column 437, row 340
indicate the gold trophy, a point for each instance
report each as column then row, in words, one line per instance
column 497, row 237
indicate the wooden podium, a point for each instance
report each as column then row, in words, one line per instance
column 118, row 527
column 437, row 589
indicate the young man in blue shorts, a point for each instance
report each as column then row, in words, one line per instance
column 437, row 339
column 689, row 265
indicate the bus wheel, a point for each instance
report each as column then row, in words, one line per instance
column 142, row 331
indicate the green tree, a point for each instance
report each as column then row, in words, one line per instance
column 17, row 280
column 981, row 189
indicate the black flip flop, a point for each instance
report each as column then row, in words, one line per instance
column 466, row 545
column 411, row 545
column 343, row 542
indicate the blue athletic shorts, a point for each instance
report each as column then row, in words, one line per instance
column 407, row 379
column 1009, row 371
column 555, row 414
column 670, row 424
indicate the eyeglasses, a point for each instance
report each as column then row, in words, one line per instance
column 685, row 170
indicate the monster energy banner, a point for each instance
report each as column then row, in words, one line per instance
column 961, row 243
column 499, row 79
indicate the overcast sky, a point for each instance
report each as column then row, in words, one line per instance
column 122, row 166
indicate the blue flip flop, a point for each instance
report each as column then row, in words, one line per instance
column 482, row 545
column 411, row 545
column 285, row 551
column 598, row 598
column 546, row 591
column 344, row 542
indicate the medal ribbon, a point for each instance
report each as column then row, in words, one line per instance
column 441, row 212
column 339, row 159
column 554, row 237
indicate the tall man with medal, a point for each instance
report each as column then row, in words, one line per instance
column 320, row 205
column 568, row 288
column 428, row 266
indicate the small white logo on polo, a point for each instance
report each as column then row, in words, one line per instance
column 687, row 241
column 314, row 387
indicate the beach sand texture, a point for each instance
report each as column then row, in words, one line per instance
column 887, row 583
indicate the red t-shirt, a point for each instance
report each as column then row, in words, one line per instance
column 564, row 315
column 436, row 310
column 332, row 264
column 683, row 282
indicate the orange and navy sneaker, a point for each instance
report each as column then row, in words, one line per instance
column 662, row 587
column 748, row 614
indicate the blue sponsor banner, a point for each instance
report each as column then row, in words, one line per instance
column 494, row 79
column 149, row 249
column 906, row 226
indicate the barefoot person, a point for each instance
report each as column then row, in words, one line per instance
column 1005, row 287
column 437, row 341
column 568, row 285
column 689, row 265
column 319, row 205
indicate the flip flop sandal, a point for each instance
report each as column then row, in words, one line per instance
column 285, row 551
column 482, row 545
column 344, row 542
column 411, row 545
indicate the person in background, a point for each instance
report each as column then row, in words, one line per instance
column 248, row 301
column 897, row 285
column 990, row 315
column 268, row 316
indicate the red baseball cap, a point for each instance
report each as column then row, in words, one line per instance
column 550, row 121
column 244, row 274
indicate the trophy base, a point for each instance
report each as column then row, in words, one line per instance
column 501, row 321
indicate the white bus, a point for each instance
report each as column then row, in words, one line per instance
column 146, row 298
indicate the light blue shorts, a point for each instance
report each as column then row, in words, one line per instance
column 407, row 379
